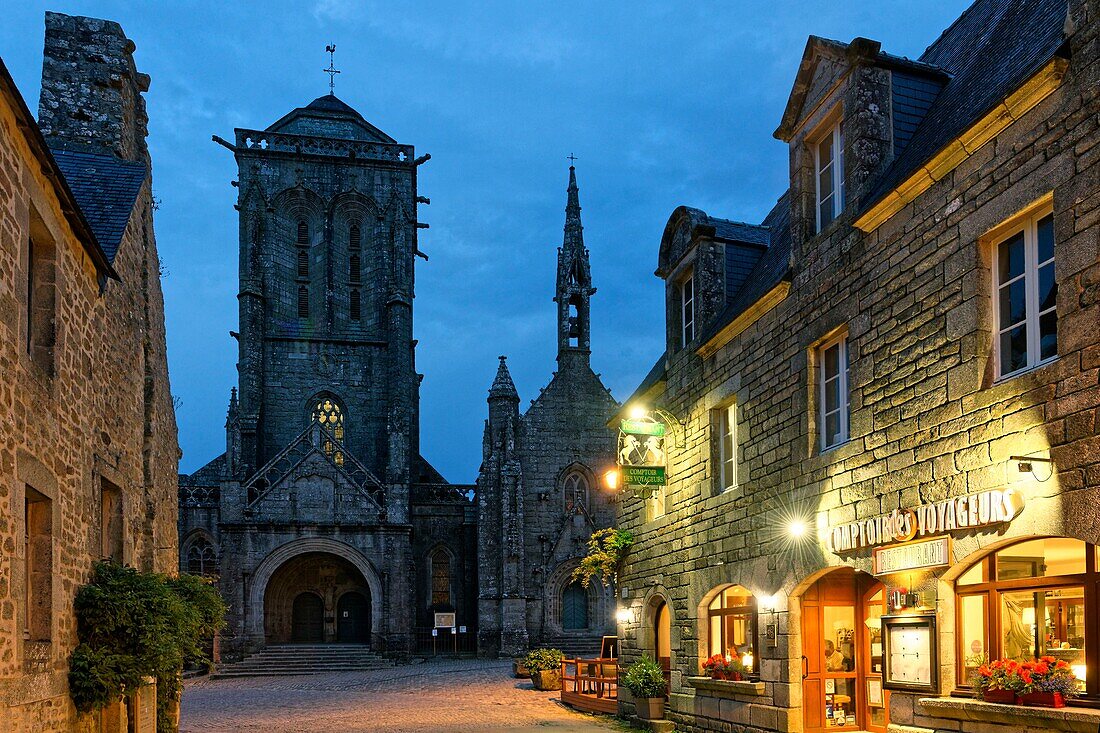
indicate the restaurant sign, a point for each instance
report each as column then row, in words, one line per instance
column 641, row 454
column 902, row 525
column 918, row 555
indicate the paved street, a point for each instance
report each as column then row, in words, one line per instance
column 466, row 695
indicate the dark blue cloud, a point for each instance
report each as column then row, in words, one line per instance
column 663, row 105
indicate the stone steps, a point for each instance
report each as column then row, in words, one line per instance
column 304, row 659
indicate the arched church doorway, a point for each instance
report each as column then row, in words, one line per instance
column 353, row 618
column 574, row 607
column 307, row 621
column 307, row 596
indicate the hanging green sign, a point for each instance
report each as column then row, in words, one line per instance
column 642, row 427
column 644, row 475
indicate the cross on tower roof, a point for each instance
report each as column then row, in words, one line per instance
column 571, row 158
column 331, row 70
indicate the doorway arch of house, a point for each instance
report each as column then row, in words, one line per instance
column 841, row 640
column 315, row 590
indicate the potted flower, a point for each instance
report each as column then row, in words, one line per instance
column 714, row 667
column 736, row 669
column 996, row 681
column 646, row 681
column 545, row 668
column 1046, row 683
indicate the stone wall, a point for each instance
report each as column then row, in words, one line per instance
column 927, row 419
column 102, row 414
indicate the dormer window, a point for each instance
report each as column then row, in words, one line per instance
column 829, row 175
column 687, row 309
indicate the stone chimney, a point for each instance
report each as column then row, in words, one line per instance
column 91, row 90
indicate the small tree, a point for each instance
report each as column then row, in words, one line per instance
column 134, row 625
column 607, row 549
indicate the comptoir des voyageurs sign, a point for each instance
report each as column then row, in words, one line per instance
column 902, row 525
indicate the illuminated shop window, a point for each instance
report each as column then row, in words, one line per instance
column 731, row 629
column 1029, row 600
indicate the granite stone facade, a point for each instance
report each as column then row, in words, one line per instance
column 905, row 273
column 321, row 519
column 88, row 447
column 539, row 491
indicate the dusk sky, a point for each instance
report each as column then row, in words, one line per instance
column 663, row 104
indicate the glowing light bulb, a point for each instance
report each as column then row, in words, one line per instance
column 797, row 529
column 637, row 412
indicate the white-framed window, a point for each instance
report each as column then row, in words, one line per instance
column 727, row 447
column 833, row 399
column 687, row 309
column 829, row 175
column 1025, row 295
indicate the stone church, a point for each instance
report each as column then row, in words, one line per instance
column 321, row 519
column 539, row 496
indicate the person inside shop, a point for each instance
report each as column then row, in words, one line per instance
column 834, row 660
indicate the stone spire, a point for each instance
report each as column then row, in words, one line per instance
column 231, row 414
column 503, row 386
column 574, row 283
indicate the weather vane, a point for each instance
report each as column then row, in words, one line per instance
column 331, row 70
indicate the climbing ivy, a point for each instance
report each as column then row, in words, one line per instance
column 133, row 625
column 606, row 550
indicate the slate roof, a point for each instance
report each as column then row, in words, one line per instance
column 738, row 231
column 332, row 103
column 772, row 267
column 329, row 115
column 106, row 189
column 47, row 158
column 990, row 51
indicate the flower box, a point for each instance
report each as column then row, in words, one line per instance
column 1043, row 699
column 1005, row 697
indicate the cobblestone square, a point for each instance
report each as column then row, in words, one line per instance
column 467, row 695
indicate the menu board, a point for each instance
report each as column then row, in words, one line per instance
column 911, row 656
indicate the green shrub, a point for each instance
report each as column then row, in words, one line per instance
column 134, row 625
column 543, row 660
column 606, row 550
column 645, row 678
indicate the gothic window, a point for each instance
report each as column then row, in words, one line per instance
column 441, row 578
column 303, row 302
column 201, row 558
column 303, row 232
column 303, row 263
column 575, row 491
column 329, row 415
column 574, row 607
column 355, row 305
column 354, row 237
column 354, row 273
